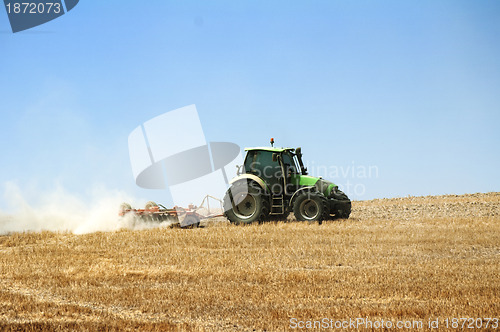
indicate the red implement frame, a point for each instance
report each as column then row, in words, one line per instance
column 193, row 213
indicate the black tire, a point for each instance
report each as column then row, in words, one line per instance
column 342, row 208
column 311, row 206
column 245, row 203
column 347, row 210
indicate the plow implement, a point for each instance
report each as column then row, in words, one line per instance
column 189, row 217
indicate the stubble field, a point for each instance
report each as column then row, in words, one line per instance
column 405, row 260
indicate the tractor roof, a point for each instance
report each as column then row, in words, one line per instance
column 267, row 148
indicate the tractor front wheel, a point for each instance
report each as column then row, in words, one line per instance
column 310, row 206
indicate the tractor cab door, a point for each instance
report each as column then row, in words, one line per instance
column 290, row 172
column 261, row 163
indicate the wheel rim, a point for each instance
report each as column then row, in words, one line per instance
column 309, row 209
column 246, row 207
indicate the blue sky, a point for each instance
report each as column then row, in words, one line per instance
column 409, row 88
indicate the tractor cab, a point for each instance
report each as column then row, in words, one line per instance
column 277, row 167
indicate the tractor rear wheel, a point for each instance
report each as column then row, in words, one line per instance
column 311, row 206
column 245, row 203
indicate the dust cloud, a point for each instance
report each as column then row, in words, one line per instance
column 59, row 210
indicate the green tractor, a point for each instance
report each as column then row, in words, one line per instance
column 273, row 182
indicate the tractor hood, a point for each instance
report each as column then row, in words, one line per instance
column 322, row 185
column 307, row 180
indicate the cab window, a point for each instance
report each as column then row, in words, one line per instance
column 261, row 164
column 289, row 163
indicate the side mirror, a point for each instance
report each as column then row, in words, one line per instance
column 275, row 157
column 298, row 151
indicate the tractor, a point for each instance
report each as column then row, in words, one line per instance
column 273, row 182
